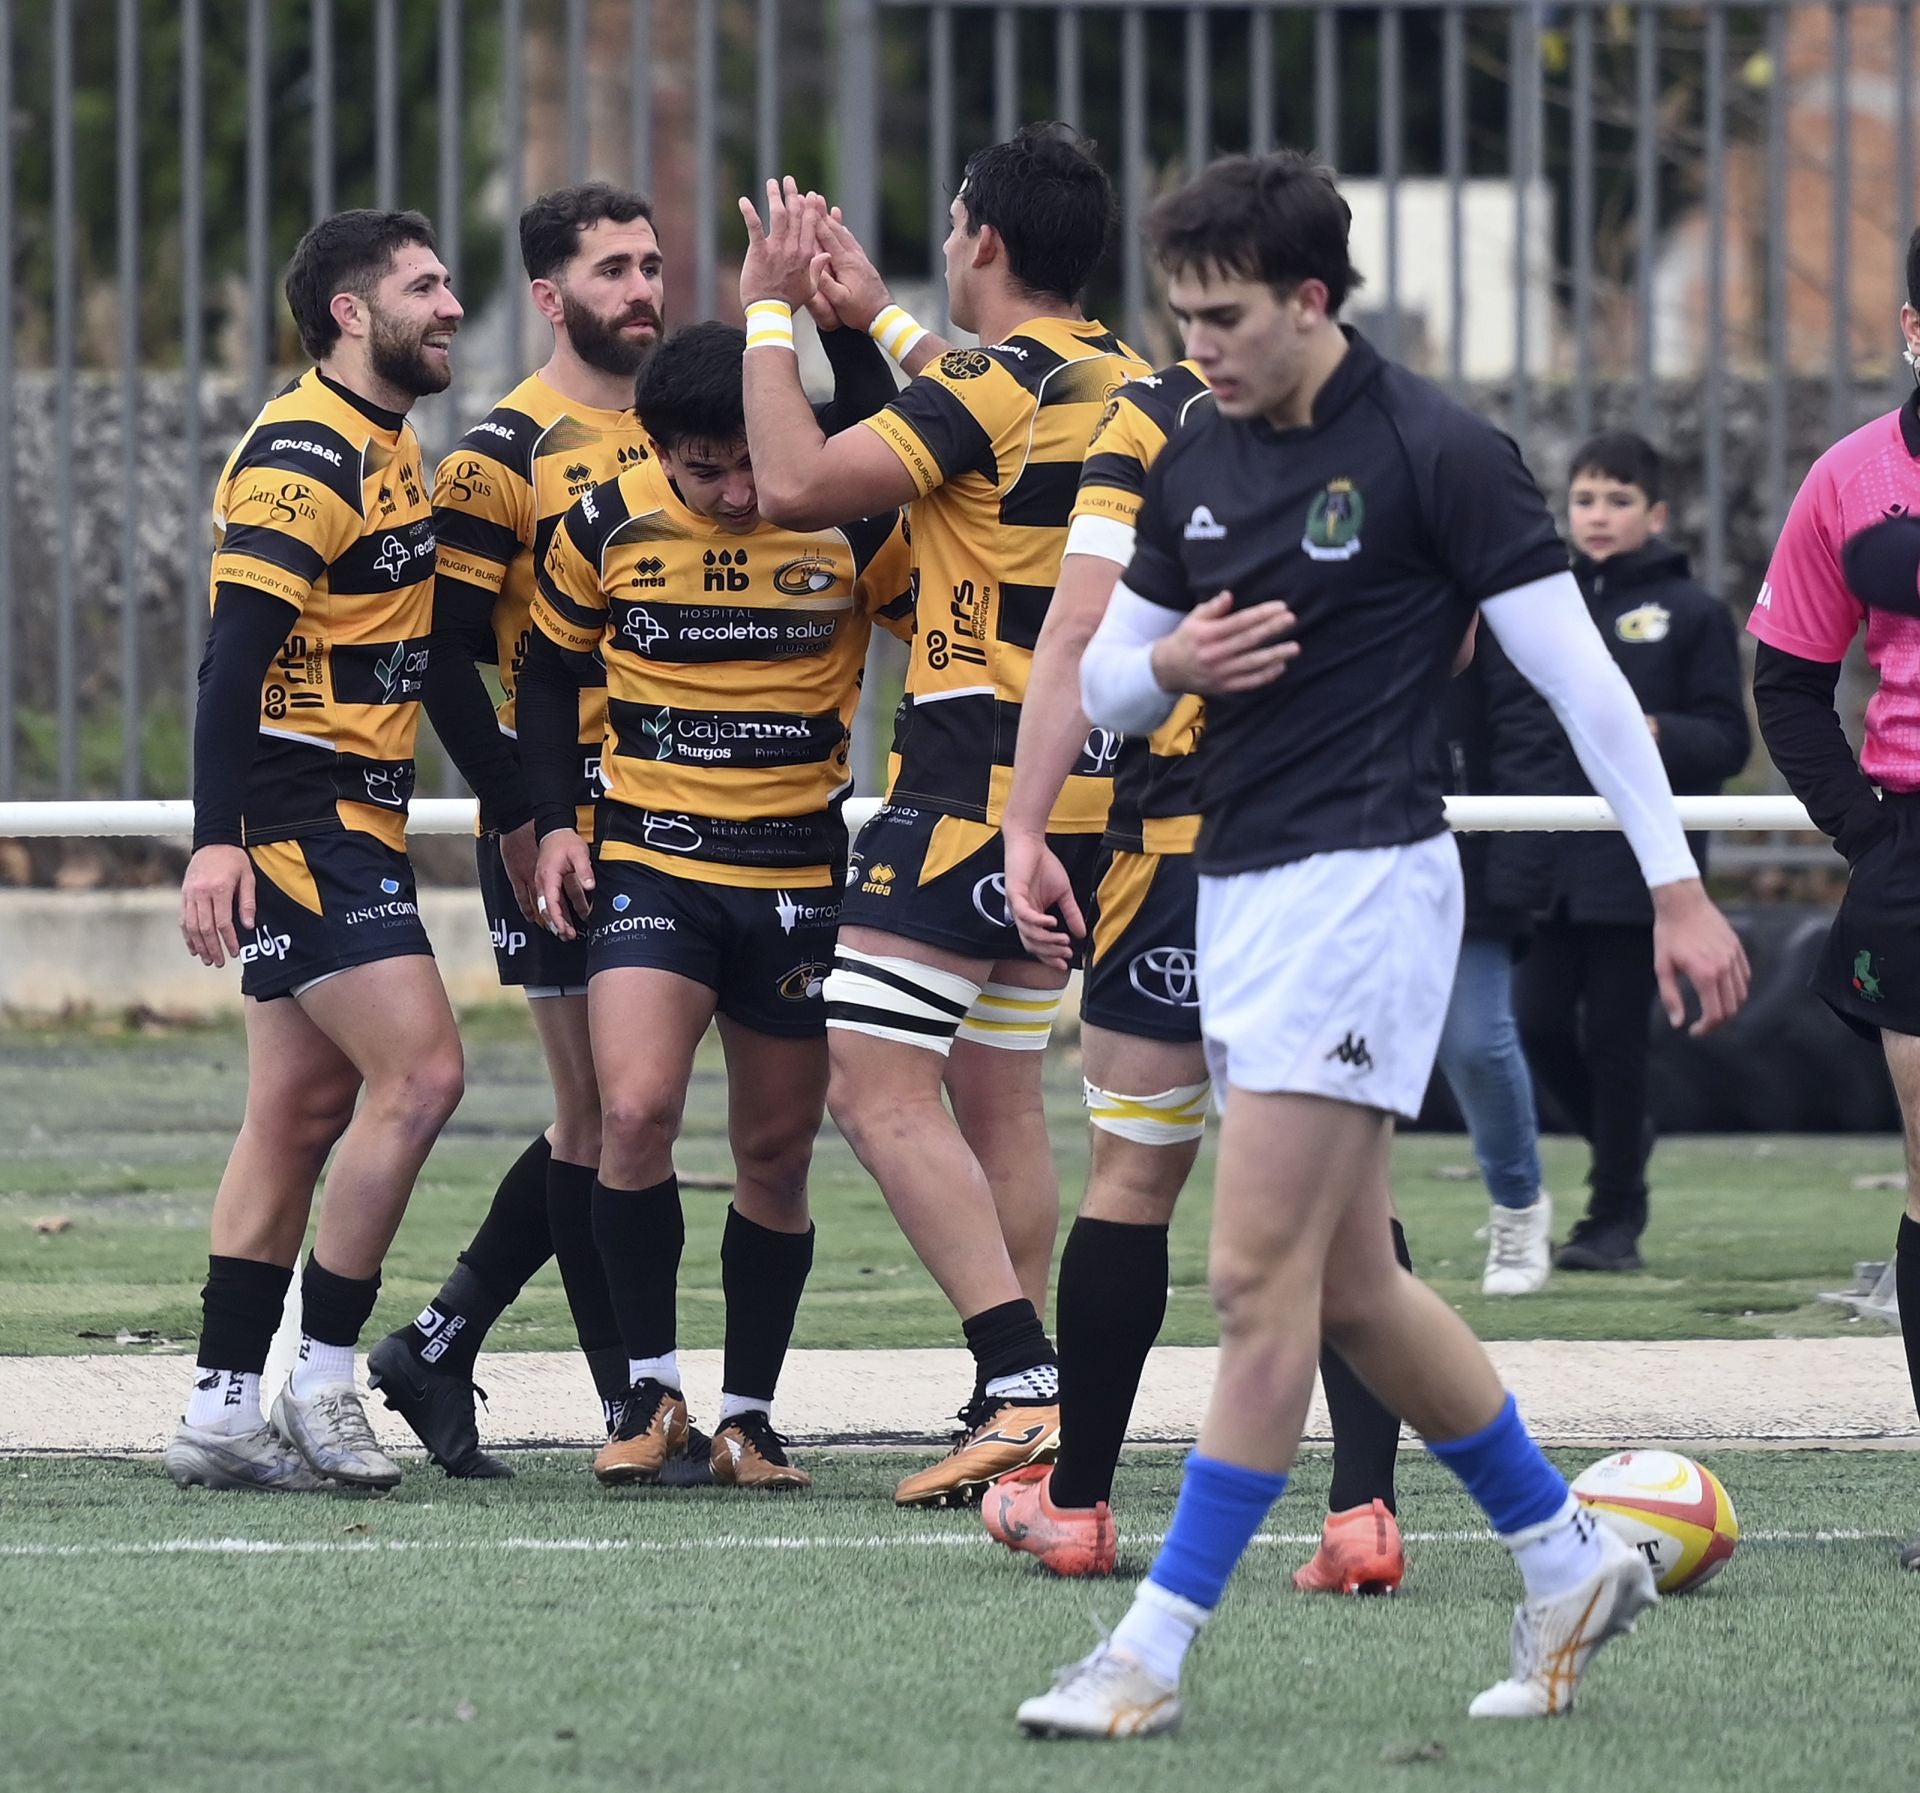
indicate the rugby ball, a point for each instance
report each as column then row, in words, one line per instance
column 1669, row 1508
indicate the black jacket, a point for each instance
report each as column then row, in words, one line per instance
column 1499, row 739
column 1677, row 644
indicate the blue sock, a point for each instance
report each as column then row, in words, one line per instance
column 1505, row 1472
column 1221, row 1506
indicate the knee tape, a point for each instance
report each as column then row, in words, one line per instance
column 1012, row 1017
column 897, row 999
column 1173, row 1117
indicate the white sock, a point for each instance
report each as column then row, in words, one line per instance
column 733, row 1405
column 654, row 1369
column 1558, row 1554
column 1158, row 1630
column 1041, row 1383
column 225, row 1401
column 320, row 1366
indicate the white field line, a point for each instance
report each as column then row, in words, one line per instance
column 728, row 1542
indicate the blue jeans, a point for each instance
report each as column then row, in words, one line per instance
column 1480, row 1058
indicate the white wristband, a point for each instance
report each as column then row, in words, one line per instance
column 896, row 332
column 770, row 325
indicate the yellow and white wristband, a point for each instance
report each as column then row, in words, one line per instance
column 896, row 332
column 770, row 325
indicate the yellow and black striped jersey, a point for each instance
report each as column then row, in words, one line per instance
column 733, row 667
column 1154, row 804
column 497, row 499
column 323, row 505
column 994, row 438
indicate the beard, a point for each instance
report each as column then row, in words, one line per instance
column 398, row 356
column 599, row 343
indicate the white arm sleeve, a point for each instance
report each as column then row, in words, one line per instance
column 1117, row 686
column 1548, row 635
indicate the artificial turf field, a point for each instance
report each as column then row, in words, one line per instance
column 543, row 1633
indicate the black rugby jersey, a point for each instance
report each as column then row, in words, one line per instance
column 1383, row 524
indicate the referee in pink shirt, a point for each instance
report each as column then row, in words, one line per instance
column 1850, row 553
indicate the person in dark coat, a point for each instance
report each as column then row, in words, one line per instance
column 1587, row 987
column 1499, row 738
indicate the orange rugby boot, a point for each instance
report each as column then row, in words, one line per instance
column 1002, row 1433
column 1067, row 1540
column 1360, row 1553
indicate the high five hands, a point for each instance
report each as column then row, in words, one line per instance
column 804, row 255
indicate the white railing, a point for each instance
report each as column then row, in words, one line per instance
column 172, row 818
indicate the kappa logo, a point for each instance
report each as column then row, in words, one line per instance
column 1202, row 528
column 393, row 558
column 643, row 629
column 1333, row 524
column 990, row 900
column 1352, row 1051
column 1169, row 975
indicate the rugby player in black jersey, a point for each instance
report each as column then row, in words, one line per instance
column 1309, row 558
column 303, row 764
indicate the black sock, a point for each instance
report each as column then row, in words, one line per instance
column 1906, row 1282
column 611, row 1382
column 1004, row 1341
column 446, row 1334
column 514, row 1240
column 570, row 1220
column 762, row 1274
column 334, row 1310
column 241, row 1307
column 1112, row 1299
column 640, row 1234
column 1366, row 1437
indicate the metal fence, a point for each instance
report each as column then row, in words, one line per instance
column 1692, row 219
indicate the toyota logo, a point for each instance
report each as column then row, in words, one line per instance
column 1167, row 974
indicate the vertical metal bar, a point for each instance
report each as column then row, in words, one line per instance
column 1453, row 125
column 706, row 151
column 66, row 642
column 766, row 94
column 193, row 174
column 9, row 661
column 1646, row 206
column 453, row 403
column 1133, row 165
column 640, row 95
column 513, row 130
column 1582, row 158
column 1840, row 349
column 858, row 103
column 1778, row 372
column 386, row 104
column 259, row 275
column 1903, row 169
column 322, row 108
column 1389, row 127
column 1006, row 72
column 127, row 108
column 1199, row 93
column 1066, row 61
column 1524, row 59
column 1326, row 84
column 1260, row 79
column 575, row 51
column 1716, row 394
column 939, row 155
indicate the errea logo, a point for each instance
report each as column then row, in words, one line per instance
column 1202, row 528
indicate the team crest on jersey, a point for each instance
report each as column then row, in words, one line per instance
column 965, row 364
column 1333, row 524
column 806, row 577
column 1649, row 623
column 1106, row 417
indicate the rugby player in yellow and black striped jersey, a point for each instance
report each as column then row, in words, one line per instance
column 303, row 763
column 931, row 984
column 733, row 651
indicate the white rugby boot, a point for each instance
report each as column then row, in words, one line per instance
column 330, row 1429
column 1105, row 1694
column 1519, row 1248
column 258, row 1460
column 1555, row 1639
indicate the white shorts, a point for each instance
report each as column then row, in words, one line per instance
column 1331, row 976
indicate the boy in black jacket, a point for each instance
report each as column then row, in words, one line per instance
column 1586, row 988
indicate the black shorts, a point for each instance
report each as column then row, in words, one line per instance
column 764, row 953
column 324, row 904
column 942, row 880
column 1144, row 978
column 1869, row 972
column 528, row 957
